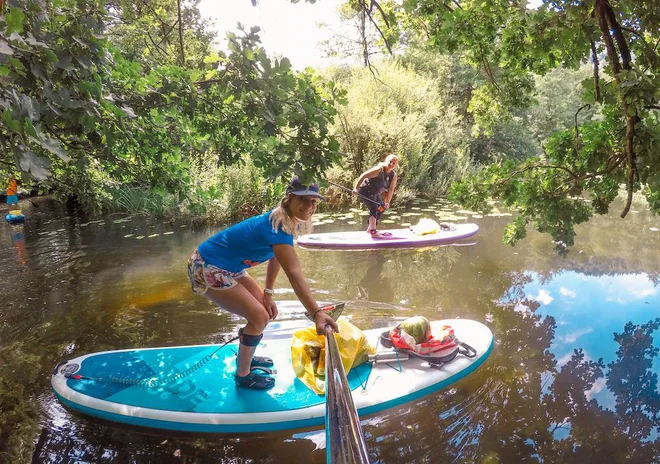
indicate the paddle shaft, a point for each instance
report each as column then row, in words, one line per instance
column 345, row 442
column 380, row 208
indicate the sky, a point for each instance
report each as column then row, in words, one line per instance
column 292, row 30
column 287, row 29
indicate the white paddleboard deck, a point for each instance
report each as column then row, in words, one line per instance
column 398, row 238
column 207, row 400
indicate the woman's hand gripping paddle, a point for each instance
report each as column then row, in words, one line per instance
column 329, row 312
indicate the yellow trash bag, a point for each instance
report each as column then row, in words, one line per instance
column 308, row 353
column 425, row 226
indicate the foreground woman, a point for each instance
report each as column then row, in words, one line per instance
column 217, row 269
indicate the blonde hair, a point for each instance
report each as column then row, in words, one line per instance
column 388, row 159
column 281, row 219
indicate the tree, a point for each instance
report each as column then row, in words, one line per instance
column 508, row 42
column 53, row 63
column 157, row 32
column 79, row 113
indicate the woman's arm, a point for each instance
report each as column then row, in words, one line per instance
column 271, row 274
column 272, row 271
column 288, row 259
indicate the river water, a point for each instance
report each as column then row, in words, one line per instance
column 572, row 377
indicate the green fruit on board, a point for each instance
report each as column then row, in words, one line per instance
column 417, row 327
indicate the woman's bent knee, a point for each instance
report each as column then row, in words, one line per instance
column 258, row 322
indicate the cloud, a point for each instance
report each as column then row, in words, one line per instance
column 544, row 297
column 566, row 292
column 643, row 292
column 597, row 387
column 573, row 336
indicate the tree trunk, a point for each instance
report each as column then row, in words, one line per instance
column 609, row 26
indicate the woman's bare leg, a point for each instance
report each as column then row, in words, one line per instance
column 238, row 300
column 251, row 286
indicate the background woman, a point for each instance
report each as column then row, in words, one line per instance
column 217, row 269
column 377, row 184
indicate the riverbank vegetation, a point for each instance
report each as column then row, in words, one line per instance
column 137, row 108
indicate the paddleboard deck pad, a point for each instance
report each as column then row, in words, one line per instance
column 397, row 238
column 15, row 218
column 192, row 389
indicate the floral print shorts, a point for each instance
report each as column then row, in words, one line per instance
column 204, row 276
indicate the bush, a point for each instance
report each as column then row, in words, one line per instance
column 400, row 111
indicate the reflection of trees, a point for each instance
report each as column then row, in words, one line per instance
column 374, row 286
column 107, row 444
column 520, row 407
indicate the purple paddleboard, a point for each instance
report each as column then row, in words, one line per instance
column 399, row 238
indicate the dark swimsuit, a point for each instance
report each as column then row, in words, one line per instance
column 373, row 188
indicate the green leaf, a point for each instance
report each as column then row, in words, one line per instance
column 54, row 147
column 50, row 55
column 212, row 58
column 29, row 128
column 14, row 19
column 36, row 165
column 12, row 124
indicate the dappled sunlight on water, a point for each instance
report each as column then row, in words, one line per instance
column 571, row 378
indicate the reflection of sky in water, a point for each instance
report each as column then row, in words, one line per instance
column 588, row 310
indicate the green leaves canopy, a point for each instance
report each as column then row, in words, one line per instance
column 76, row 111
column 509, row 42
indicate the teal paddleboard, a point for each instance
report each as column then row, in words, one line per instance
column 191, row 388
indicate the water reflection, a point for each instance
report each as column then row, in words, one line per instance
column 374, row 285
column 572, row 377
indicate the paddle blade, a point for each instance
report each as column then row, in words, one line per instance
column 333, row 310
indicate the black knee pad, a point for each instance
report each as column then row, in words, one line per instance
column 249, row 340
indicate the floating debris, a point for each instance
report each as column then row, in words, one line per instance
column 153, row 235
column 139, row 237
column 128, row 235
column 168, row 233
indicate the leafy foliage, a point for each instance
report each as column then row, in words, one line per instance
column 157, row 32
column 590, row 160
column 403, row 112
column 507, row 42
column 78, row 112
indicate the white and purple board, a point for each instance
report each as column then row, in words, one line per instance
column 398, row 238
column 207, row 399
